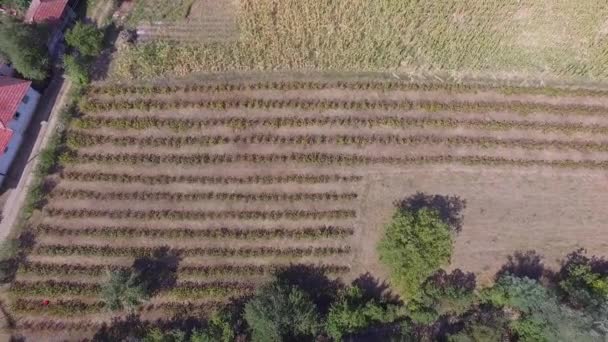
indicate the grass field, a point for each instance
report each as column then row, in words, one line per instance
column 242, row 178
column 525, row 38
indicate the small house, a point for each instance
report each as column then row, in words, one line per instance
column 54, row 13
column 18, row 102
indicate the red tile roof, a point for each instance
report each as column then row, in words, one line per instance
column 45, row 11
column 5, row 138
column 12, row 92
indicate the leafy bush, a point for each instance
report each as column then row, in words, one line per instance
column 86, row 38
column 220, row 328
column 415, row 244
column 352, row 313
column 76, row 69
column 584, row 280
column 122, row 291
column 544, row 318
column 443, row 293
column 279, row 312
column 25, row 47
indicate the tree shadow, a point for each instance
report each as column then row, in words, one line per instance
column 523, row 264
column 157, row 272
column 24, row 245
column 129, row 328
column 449, row 208
column 313, row 281
column 373, row 288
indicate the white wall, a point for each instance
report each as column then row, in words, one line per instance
column 19, row 126
column 26, row 112
column 6, row 159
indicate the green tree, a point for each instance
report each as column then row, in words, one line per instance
column 24, row 47
column 122, row 291
column 352, row 313
column 543, row 317
column 220, row 328
column 86, row 38
column 280, row 312
column 76, row 69
column 158, row 335
column 584, row 280
column 414, row 246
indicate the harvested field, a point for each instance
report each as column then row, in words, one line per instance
column 242, row 178
column 523, row 38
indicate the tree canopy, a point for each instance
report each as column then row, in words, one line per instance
column 24, row 46
column 414, row 246
column 86, row 38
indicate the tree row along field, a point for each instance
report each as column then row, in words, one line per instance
column 245, row 182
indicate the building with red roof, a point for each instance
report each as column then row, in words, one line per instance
column 55, row 13
column 46, row 11
column 17, row 106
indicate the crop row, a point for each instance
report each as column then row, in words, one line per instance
column 323, row 159
column 216, row 289
column 52, row 288
column 240, row 123
column 191, row 179
column 70, row 307
column 116, row 89
column 77, row 307
column 200, row 196
column 93, row 106
column 273, row 215
column 112, row 251
column 58, row 325
column 245, row 233
column 83, row 140
column 46, row 269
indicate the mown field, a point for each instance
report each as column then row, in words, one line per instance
column 240, row 179
column 512, row 38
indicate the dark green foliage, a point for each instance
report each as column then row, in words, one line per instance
column 86, row 38
column 415, row 244
column 77, row 69
column 583, row 280
column 352, row 313
column 543, row 318
column 25, row 47
column 123, row 291
column 280, row 312
column 20, row 5
column 220, row 328
column 442, row 294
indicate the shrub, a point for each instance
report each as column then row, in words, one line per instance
column 76, row 69
column 415, row 244
column 583, row 280
column 352, row 313
column 25, row 47
column 86, row 38
column 280, row 312
column 122, row 291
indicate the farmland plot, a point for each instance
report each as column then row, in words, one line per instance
column 240, row 179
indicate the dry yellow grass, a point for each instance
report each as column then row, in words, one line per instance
column 558, row 38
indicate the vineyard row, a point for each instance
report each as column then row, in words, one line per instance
column 77, row 140
column 116, row 89
column 187, row 233
column 111, row 251
column 273, row 215
column 93, row 106
column 199, row 196
column 52, row 288
column 323, row 159
column 191, row 179
column 46, row 269
column 239, row 123
column 75, row 307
